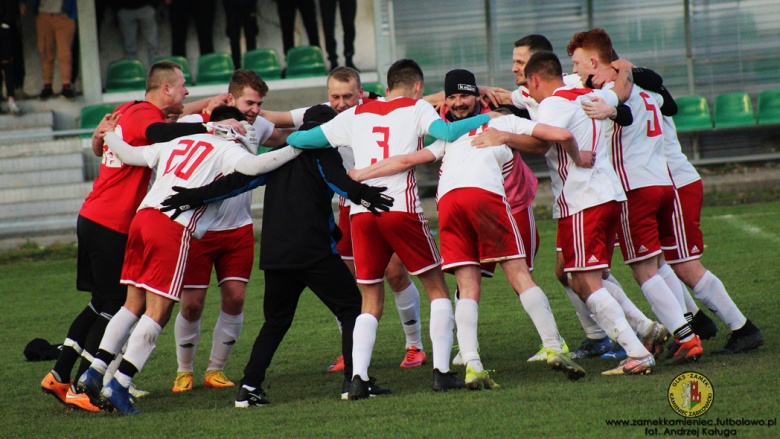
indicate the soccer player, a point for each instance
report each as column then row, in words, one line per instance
column 229, row 247
column 305, row 258
column 476, row 223
column 685, row 256
column 345, row 92
column 104, row 220
column 376, row 131
column 638, row 159
column 596, row 342
column 157, row 248
column 588, row 202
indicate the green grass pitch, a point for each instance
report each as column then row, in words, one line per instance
column 743, row 248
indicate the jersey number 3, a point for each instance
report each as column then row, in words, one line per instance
column 193, row 154
column 385, row 131
column 654, row 128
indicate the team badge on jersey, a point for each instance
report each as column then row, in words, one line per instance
column 691, row 394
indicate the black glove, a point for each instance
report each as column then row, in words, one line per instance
column 184, row 200
column 372, row 199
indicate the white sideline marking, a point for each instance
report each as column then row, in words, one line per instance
column 740, row 215
column 749, row 228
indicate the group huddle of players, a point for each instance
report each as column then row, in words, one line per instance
column 618, row 175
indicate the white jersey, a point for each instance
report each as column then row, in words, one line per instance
column 379, row 130
column 523, row 100
column 637, row 150
column 236, row 212
column 577, row 188
column 682, row 171
column 346, row 151
column 190, row 162
column 485, row 168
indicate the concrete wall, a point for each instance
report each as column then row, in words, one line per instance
column 111, row 47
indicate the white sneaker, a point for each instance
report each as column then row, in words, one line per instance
column 543, row 352
column 136, row 392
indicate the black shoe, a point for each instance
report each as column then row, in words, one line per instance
column 350, row 64
column 739, row 342
column 250, row 396
column 446, row 381
column 359, row 389
column 703, row 326
column 47, row 92
column 68, row 92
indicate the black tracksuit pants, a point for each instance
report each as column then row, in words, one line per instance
column 332, row 282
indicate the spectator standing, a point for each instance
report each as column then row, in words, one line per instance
column 132, row 16
column 7, row 42
column 286, row 9
column 241, row 14
column 348, row 9
column 180, row 12
column 55, row 23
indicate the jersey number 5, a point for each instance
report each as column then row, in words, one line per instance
column 654, row 128
column 194, row 154
column 382, row 143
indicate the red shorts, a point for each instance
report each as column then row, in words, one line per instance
column 645, row 221
column 688, row 242
column 529, row 235
column 344, row 246
column 231, row 252
column 156, row 254
column 376, row 238
column 586, row 238
column 477, row 226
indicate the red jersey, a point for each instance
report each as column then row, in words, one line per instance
column 119, row 189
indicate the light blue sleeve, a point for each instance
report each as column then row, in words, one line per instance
column 311, row 139
column 450, row 132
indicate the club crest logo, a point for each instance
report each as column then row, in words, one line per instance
column 691, row 394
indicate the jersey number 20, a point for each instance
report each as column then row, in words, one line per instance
column 194, row 154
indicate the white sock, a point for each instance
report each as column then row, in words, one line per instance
column 226, row 332
column 592, row 329
column 123, row 379
column 674, row 284
column 407, row 302
column 610, row 316
column 363, row 339
column 442, row 324
column 187, row 335
column 713, row 295
column 666, row 308
column 142, row 342
column 113, row 366
column 612, row 279
column 536, row 305
column 636, row 318
column 466, row 317
column 690, row 305
column 117, row 332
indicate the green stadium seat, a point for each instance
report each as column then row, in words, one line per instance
column 125, row 75
column 215, row 68
column 91, row 116
column 185, row 66
column 304, row 62
column 769, row 107
column 693, row 114
column 733, row 110
column 265, row 62
column 374, row 87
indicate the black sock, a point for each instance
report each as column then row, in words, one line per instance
column 78, row 333
column 92, row 344
column 127, row 368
